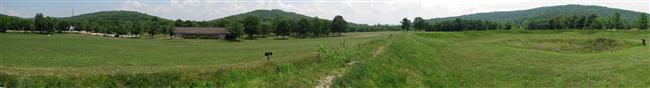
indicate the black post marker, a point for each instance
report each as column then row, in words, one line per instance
column 268, row 55
column 643, row 40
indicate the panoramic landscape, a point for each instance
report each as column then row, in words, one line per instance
column 324, row 44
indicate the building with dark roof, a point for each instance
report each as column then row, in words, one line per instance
column 201, row 32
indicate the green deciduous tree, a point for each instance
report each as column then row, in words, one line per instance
column 123, row 28
column 251, row 26
column 154, row 27
column 138, row 27
column 324, row 30
column 315, row 27
column 62, row 26
column 303, row 27
column 265, row 28
column 168, row 28
column 49, row 25
column 406, row 24
column 642, row 23
column 419, row 24
column 616, row 21
column 235, row 30
column 338, row 25
column 39, row 22
column 282, row 27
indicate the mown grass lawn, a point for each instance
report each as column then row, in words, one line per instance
column 492, row 59
column 34, row 52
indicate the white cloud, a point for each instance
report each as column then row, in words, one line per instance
column 359, row 11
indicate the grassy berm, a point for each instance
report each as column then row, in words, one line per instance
column 508, row 59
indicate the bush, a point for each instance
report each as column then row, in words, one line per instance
column 603, row 44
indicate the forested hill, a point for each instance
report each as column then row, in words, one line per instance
column 548, row 12
column 112, row 16
column 3, row 16
column 267, row 15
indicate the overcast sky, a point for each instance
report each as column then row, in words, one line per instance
column 358, row 11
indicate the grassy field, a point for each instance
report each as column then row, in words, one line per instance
column 574, row 58
column 508, row 59
column 64, row 60
column 63, row 51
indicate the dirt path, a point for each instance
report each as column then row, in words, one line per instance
column 326, row 81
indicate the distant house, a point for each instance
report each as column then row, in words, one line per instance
column 201, row 32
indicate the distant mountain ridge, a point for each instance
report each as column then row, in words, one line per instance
column 266, row 15
column 112, row 16
column 519, row 16
column 3, row 16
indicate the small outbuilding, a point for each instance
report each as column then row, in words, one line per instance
column 201, row 32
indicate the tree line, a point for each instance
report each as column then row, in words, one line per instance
column 314, row 27
column 591, row 21
column 119, row 28
column 464, row 25
column 251, row 26
column 458, row 24
column 48, row 25
column 418, row 24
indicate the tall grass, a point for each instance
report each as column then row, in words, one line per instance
column 473, row 59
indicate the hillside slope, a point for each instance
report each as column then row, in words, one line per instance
column 7, row 17
column 519, row 16
column 266, row 15
column 112, row 16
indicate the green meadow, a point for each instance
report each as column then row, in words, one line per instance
column 571, row 58
column 71, row 51
column 508, row 59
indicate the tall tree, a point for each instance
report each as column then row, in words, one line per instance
column 596, row 24
column 324, row 30
column 419, row 24
column 589, row 20
column 168, row 28
column 153, row 27
column 178, row 23
column 303, row 27
column 338, row 25
column 49, row 25
column 235, row 30
column 251, row 25
column 315, row 27
column 616, row 21
column 642, row 23
column 123, row 28
column 62, row 26
column 281, row 27
column 265, row 29
column 39, row 22
column 138, row 28
column 406, row 24
column 4, row 25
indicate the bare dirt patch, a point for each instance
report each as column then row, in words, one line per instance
column 327, row 80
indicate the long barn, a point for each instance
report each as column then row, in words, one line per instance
column 201, row 32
